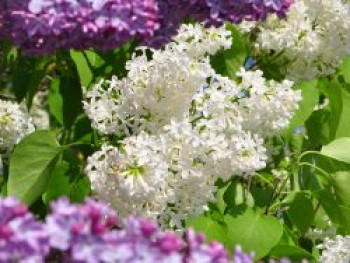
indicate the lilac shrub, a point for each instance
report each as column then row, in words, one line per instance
column 43, row 26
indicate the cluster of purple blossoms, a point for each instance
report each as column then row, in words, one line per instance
column 218, row 11
column 212, row 12
column 43, row 26
column 21, row 236
column 80, row 232
column 91, row 233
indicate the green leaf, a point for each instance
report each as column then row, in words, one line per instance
column 335, row 178
column 330, row 122
column 338, row 150
column 310, row 98
column 338, row 177
column 82, row 129
column 340, row 183
column 31, row 164
column 220, row 202
column 26, row 76
column 254, row 232
column 288, row 238
column 213, row 230
column 291, row 252
column 301, row 210
column 235, row 195
column 69, row 89
column 329, row 204
column 261, row 195
column 72, row 95
column 345, row 69
column 55, row 101
column 83, row 66
column 343, row 128
column 318, row 128
column 59, row 184
column 229, row 61
column 65, row 100
column 33, row 85
column 80, row 189
column 333, row 91
column 344, row 227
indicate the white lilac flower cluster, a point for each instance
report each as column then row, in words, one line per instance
column 314, row 37
column 336, row 250
column 185, row 126
column 15, row 123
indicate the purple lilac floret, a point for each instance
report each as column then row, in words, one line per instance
column 43, row 26
column 241, row 257
column 81, row 231
column 22, row 238
column 198, row 251
column 141, row 241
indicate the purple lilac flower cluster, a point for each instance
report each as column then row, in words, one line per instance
column 91, row 233
column 21, row 236
column 42, row 26
column 217, row 11
column 81, row 231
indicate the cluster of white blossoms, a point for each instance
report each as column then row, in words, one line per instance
column 314, row 37
column 196, row 41
column 185, row 127
column 134, row 178
column 155, row 91
column 335, row 250
column 15, row 123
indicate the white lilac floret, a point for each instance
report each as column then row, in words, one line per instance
column 15, row 123
column 335, row 250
